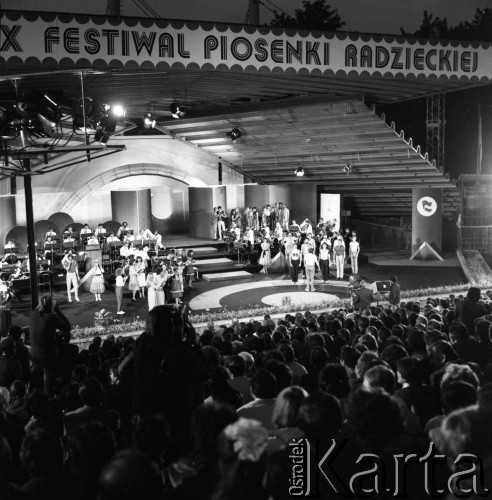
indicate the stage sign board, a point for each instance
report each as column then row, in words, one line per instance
column 81, row 41
column 426, row 218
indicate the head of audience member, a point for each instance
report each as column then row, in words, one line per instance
column 287, row 404
column 320, row 417
column 130, row 474
column 152, row 437
column 334, row 379
column 41, row 453
column 264, row 384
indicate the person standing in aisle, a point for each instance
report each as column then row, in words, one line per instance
column 265, row 259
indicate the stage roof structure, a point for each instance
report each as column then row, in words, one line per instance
column 297, row 96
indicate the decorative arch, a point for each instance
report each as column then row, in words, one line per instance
column 128, row 171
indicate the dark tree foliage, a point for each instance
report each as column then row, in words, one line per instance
column 478, row 29
column 314, row 15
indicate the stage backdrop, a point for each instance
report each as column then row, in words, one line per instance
column 133, row 207
column 427, row 218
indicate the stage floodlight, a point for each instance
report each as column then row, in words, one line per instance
column 299, row 172
column 149, row 120
column 234, row 134
column 347, row 168
column 118, row 110
column 175, row 109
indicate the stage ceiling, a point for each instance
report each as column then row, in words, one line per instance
column 318, row 120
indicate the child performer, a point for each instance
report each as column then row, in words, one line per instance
column 177, row 284
column 97, row 283
column 120, row 283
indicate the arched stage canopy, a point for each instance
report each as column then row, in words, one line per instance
column 297, row 97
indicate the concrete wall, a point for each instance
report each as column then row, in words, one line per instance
column 303, row 202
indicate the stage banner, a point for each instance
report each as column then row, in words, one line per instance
column 63, row 41
column 426, row 218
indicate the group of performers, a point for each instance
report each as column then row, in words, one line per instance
column 265, row 233
column 160, row 280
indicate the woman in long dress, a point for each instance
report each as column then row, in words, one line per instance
column 161, row 280
column 151, row 284
column 265, row 259
column 97, row 283
column 133, row 284
column 140, row 271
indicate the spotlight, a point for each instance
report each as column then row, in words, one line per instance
column 149, row 120
column 118, row 110
column 234, row 134
column 347, row 168
column 299, row 172
column 174, row 108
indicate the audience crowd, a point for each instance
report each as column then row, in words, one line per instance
column 176, row 415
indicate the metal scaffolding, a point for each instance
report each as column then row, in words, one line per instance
column 436, row 123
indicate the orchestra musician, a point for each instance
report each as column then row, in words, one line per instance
column 93, row 240
column 128, row 237
column 112, row 238
column 122, row 229
column 50, row 234
column 278, row 231
column 265, row 230
column 235, row 231
column 86, row 229
column 10, row 244
column 158, row 239
column 100, row 231
column 249, row 235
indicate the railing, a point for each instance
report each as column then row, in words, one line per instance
column 374, row 236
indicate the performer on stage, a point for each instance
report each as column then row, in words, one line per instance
column 295, row 259
column 310, row 264
column 120, row 283
column 278, row 232
column 306, row 227
column 285, row 217
column 71, row 267
column 155, row 288
column 354, row 249
column 177, row 284
column 324, row 261
column 236, row 232
column 265, row 259
column 214, row 223
column 221, row 216
column 255, row 216
column 189, row 271
column 339, row 254
column 140, row 274
column 97, row 284
column 265, row 231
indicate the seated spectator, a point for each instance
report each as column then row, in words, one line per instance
column 237, row 366
column 10, row 367
column 298, row 370
column 285, row 413
column 90, row 446
column 264, row 390
column 465, row 347
column 130, row 475
column 91, row 394
column 152, row 438
column 18, row 409
column 221, row 391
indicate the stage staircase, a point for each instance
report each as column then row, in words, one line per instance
column 216, row 263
